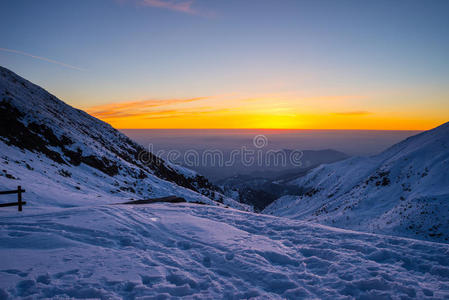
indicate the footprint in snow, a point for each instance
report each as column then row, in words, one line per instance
column 207, row 262
column 229, row 256
column 183, row 245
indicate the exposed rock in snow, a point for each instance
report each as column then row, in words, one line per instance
column 402, row 191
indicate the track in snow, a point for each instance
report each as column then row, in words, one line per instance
column 202, row 251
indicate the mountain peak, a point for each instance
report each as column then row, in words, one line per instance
column 402, row 191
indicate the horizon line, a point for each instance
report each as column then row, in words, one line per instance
column 280, row 129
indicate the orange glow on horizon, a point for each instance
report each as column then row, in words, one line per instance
column 266, row 112
column 254, row 121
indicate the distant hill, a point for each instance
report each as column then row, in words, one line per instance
column 261, row 188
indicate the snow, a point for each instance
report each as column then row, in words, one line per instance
column 196, row 251
column 44, row 184
column 403, row 191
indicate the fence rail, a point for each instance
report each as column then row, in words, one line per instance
column 19, row 202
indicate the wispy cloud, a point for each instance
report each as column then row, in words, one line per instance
column 177, row 113
column 42, row 58
column 183, row 6
column 135, row 108
column 353, row 113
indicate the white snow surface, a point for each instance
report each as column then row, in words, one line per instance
column 402, row 191
column 163, row 251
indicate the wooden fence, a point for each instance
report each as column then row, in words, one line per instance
column 19, row 202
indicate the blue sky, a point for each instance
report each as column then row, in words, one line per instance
column 379, row 57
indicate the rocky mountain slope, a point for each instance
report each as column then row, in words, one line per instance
column 52, row 149
column 402, row 191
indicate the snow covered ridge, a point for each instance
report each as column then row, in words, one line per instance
column 402, row 191
column 53, row 149
column 166, row 251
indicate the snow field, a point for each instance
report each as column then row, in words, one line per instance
column 166, row 251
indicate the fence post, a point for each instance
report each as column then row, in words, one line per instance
column 19, row 197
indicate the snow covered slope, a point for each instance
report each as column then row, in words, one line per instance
column 165, row 251
column 402, row 191
column 52, row 149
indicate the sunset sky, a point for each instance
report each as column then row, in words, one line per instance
column 237, row 64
